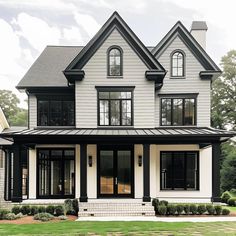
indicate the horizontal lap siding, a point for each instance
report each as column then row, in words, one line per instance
column 191, row 84
column 32, row 111
column 96, row 75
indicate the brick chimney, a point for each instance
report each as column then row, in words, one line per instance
column 198, row 31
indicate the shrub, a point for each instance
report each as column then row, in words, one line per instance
column 218, row 209
column 193, row 209
column 210, row 209
column 225, row 212
column 25, row 210
column 201, row 209
column 16, row 210
column 171, row 209
column 162, row 209
column 69, row 207
column 155, row 203
column 233, row 192
column 225, row 197
column 50, row 209
column 75, row 204
column 179, row 209
column 163, row 202
column 3, row 214
column 232, row 201
column 19, row 215
column 43, row 216
column 41, row 209
column 10, row 216
column 187, row 209
column 34, row 210
column 62, row 217
column 59, row 210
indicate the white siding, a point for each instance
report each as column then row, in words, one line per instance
column 32, row 111
column 191, row 84
column 133, row 75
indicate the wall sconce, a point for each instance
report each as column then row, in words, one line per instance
column 90, row 161
column 140, row 160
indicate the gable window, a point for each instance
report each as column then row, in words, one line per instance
column 115, row 61
column 179, row 170
column 115, row 108
column 177, row 64
column 56, row 111
column 178, row 111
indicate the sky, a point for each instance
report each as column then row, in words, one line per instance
column 27, row 26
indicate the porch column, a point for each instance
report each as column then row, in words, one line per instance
column 216, row 172
column 146, row 173
column 17, row 174
column 83, row 173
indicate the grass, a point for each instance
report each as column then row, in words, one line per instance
column 119, row 228
column 231, row 208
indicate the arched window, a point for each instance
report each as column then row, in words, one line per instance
column 115, row 61
column 177, row 64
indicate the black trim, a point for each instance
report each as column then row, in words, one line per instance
column 115, row 88
column 108, row 61
column 146, row 173
column 74, row 75
column 216, row 172
column 50, row 90
column 178, row 95
column 83, row 173
column 171, row 64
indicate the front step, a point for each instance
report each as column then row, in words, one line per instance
column 115, row 209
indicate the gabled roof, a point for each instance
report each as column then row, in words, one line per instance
column 74, row 69
column 201, row 55
column 46, row 71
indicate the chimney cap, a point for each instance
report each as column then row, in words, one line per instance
column 199, row 25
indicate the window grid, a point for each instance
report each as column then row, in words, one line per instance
column 177, row 64
column 115, row 61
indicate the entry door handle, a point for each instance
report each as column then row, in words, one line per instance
column 116, row 182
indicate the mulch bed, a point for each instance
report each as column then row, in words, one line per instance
column 30, row 220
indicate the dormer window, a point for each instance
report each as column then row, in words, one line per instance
column 177, row 64
column 114, row 61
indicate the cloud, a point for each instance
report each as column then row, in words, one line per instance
column 73, row 35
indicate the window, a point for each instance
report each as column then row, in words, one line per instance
column 115, row 108
column 179, row 171
column 178, row 111
column 56, row 173
column 56, row 112
column 177, row 64
column 115, row 61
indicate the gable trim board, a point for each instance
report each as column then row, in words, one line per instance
column 74, row 70
column 179, row 30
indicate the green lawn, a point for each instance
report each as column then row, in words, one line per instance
column 120, row 228
column 232, row 209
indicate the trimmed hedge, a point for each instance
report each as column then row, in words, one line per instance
column 225, row 212
column 210, row 209
column 225, row 197
column 232, row 201
column 50, row 209
column 193, row 209
column 34, row 210
column 59, row 210
column 3, row 214
column 201, row 209
column 16, row 209
column 162, row 209
column 218, row 209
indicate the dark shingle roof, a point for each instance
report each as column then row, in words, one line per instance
column 47, row 69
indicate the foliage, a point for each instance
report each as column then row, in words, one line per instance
column 187, row 209
column 41, row 209
column 20, row 118
column 225, row 211
column 210, row 209
column 224, row 93
column 10, row 216
column 68, row 204
column 233, row 192
column 43, row 216
column 193, row 209
column 163, row 202
column 218, row 209
column 162, row 209
column 225, row 196
column 179, row 209
column 25, row 210
column 16, row 209
column 201, row 209
column 50, row 209
column 59, row 210
column 171, row 209
column 3, row 214
column 75, row 204
column 34, row 210
column 62, row 217
column 232, row 201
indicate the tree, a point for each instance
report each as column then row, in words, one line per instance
column 15, row 115
column 224, row 94
column 228, row 170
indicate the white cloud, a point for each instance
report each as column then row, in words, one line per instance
column 73, row 35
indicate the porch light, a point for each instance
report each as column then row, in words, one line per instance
column 90, row 161
column 140, row 160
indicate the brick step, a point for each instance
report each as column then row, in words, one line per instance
column 112, row 204
column 149, row 208
column 117, row 213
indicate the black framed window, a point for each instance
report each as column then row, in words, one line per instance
column 179, row 170
column 178, row 111
column 114, row 61
column 56, row 112
column 56, row 173
column 115, row 108
column 177, row 64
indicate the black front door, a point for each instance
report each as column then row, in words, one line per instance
column 115, row 172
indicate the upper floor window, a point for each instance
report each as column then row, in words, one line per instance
column 114, row 61
column 178, row 111
column 177, row 64
column 115, row 108
column 56, row 112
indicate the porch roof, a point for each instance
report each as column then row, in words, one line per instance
column 158, row 134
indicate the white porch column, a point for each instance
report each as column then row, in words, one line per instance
column 77, row 171
column 32, row 173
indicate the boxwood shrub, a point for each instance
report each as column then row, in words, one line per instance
column 42, row 209
column 218, row 209
column 232, row 201
column 25, row 210
column 193, row 209
column 179, row 209
column 50, row 209
column 75, row 205
column 59, row 210
column 3, row 213
column 162, row 209
column 16, row 209
column 163, row 202
column 34, row 210
column 201, row 209
column 171, row 209
column 225, row 197
column 210, row 209
column 225, row 211
column 187, row 209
